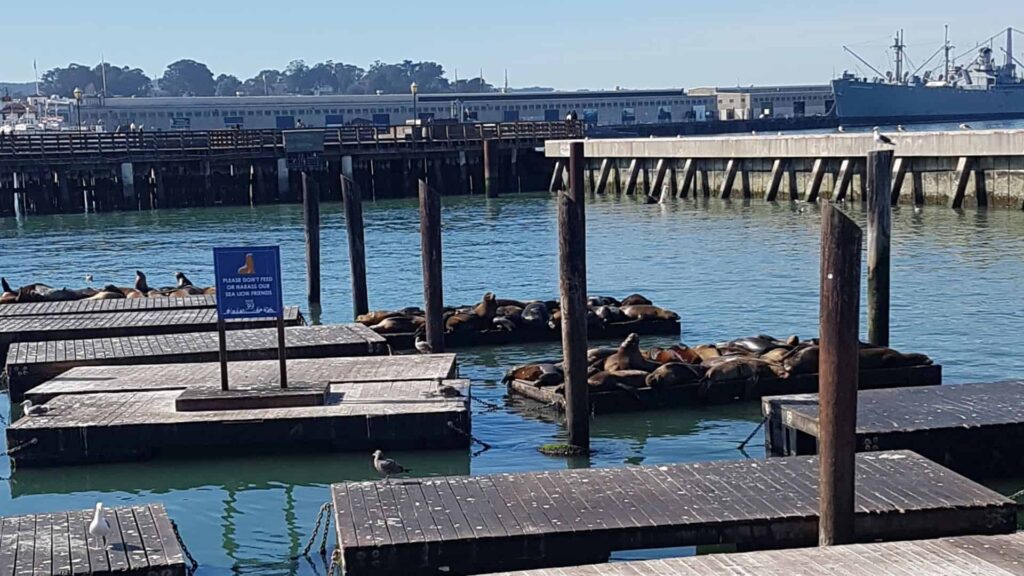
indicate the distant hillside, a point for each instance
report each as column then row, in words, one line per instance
column 17, row 88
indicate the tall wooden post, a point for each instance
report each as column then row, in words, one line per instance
column 490, row 168
column 311, row 214
column 572, row 267
column 430, row 246
column 879, row 235
column 838, row 362
column 353, row 201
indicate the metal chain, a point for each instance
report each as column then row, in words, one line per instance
column 751, row 437
column 193, row 565
column 324, row 510
column 334, row 561
column 327, row 530
column 485, row 445
column 22, row 446
column 491, row 406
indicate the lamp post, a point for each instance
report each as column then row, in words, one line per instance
column 414, row 89
column 78, row 107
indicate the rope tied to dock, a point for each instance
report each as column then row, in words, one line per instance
column 484, row 445
column 192, row 564
column 325, row 512
column 22, row 446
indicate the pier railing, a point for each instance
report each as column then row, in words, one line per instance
column 351, row 139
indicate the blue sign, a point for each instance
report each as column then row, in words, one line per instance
column 248, row 282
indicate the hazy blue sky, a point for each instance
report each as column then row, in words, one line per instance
column 563, row 43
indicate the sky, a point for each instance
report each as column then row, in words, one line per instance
column 566, row 44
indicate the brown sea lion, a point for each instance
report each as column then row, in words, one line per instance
column 535, row 315
column 375, row 317
column 706, row 351
column 141, row 284
column 793, row 341
column 628, row 357
column 529, row 373
column 397, row 325
column 775, row 355
column 686, row 354
column 756, row 344
column 109, row 292
column 595, row 354
column 802, row 360
column 597, row 301
column 479, row 318
column 609, row 313
column 647, row 312
column 185, row 286
column 510, row 311
column 626, row 380
column 875, row 358
column 674, row 374
column 635, row 300
column 504, row 302
column 743, row 368
column 5, row 286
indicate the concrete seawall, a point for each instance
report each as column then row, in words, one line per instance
column 961, row 169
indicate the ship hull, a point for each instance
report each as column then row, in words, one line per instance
column 871, row 102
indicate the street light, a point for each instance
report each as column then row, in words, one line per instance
column 78, row 106
column 414, row 89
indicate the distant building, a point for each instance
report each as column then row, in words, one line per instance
column 745, row 103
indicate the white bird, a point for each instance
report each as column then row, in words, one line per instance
column 840, row 128
column 422, row 346
column 387, row 467
column 99, row 527
column 965, row 127
column 88, row 278
column 33, row 410
column 882, row 138
column 917, row 210
column 900, row 128
column 753, row 132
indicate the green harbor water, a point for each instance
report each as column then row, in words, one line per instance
column 730, row 269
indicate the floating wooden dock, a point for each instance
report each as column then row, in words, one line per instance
column 135, row 323
column 32, row 363
column 124, row 413
column 141, row 543
column 976, row 429
column 648, row 398
column 516, row 521
column 98, row 306
column 523, row 335
column 1001, row 555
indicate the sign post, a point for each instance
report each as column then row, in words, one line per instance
column 249, row 286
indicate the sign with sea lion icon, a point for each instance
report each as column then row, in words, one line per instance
column 248, row 282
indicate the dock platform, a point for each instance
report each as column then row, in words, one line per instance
column 128, row 413
column 569, row 517
column 647, row 398
column 1001, row 555
column 32, row 363
column 976, row 429
column 99, row 306
column 141, row 543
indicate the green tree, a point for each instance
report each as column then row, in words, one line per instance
column 188, row 77
column 63, row 81
column 124, row 81
column 263, row 83
column 228, row 85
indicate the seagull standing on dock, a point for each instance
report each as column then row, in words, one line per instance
column 882, row 138
column 99, row 527
column 386, row 467
column 33, row 410
column 840, row 128
column 422, row 346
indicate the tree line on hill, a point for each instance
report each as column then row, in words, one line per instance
column 192, row 78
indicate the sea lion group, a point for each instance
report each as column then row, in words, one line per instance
column 493, row 313
column 629, row 368
column 141, row 289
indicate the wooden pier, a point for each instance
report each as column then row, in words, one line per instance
column 397, row 402
column 482, row 524
column 32, row 363
column 1001, row 555
column 135, row 323
column 142, row 542
column 728, row 391
column 96, row 306
column 976, row 429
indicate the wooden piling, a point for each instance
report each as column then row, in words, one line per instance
column 430, row 247
column 556, row 176
column 353, row 202
column 658, row 188
column 879, row 179
column 490, row 168
column 602, row 179
column 632, row 176
column 689, row 170
column 963, row 174
column 311, row 215
column 817, row 175
column 778, row 167
column 843, row 180
column 900, row 166
column 838, row 365
column 572, row 264
column 730, row 176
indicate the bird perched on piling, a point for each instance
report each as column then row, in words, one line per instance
column 387, row 467
column 33, row 410
column 965, row 127
column 882, row 139
column 99, row 527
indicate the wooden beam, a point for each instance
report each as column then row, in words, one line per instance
column 556, row 175
column 658, row 189
column 963, row 174
column 730, row 175
column 572, row 265
column 817, row 175
column 778, row 166
column 352, row 200
column 430, row 252
column 631, row 178
column 899, row 174
column 602, row 177
column 794, row 188
column 311, row 215
column 705, row 184
column 879, row 177
column 980, row 186
column 843, row 180
column 689, row 169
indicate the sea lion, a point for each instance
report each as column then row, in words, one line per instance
column 756, row 344
column 742, row 368
column 609, row 313
column 397, row 325
column 535, row 315
column 509, row 311
column 504, row 323
column 802, row 360
column 595, row 301
column 480, row 317
column 183, row 280
column 412, row 311
column 674, row 374
column 686, row 354
column 109, row 292
column 793, row 341
column 505, row 302
column 5, row 286
column 647, row 312
column 635, row 300
column 629, row 357
column 775, row 355
column 595, row 354
column 185, row 287
column 528, row 373
column 375, row 317
column 8, row 295
column 875, row 358
column 626, row 380
column 140, row 282
column 706, row 351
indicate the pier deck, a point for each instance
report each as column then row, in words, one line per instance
column 389, row 403
column 32, row 363
column 976, row 429
column 1001, row 555
column 648, row 398
column 558, row 518
column 141, row 543
column 98, row 306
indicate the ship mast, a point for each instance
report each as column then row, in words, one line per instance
column 898, row 47
column 946, row 47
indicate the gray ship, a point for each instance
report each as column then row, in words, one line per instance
column 982, row 90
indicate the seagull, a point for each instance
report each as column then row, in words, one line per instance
column 965, row 127
column 753, row 132
column 88, row 278
column 387, row 467
column 840, row 128
column 900, row 128
column 882, row 138
column 33, row 410
column 99, row 527
column 917, row 210
column 422, row 346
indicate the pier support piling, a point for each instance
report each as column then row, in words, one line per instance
column 879, row 168
column 572, row 264
column 730, row 176
column 556, row 176
column 778, row 167
column 353, row 202
column 127, row 182
column 689, row 169
column 283, row 180
column 843, row 180
column 963, row 174
column 899, row 174
column 817, row 175
column 490, row 168
column 311, row 215
column 838, row 366
column 632, row 176
column 659, row 188
column 430, row 248
column 602, row 179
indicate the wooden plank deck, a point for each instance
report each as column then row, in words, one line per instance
column 1001, row 555
column 100, row 306
column 142, row 543
column 516, row 521
column 123, row 413
column 32, row 363
column 975, row 429
column 647, row 398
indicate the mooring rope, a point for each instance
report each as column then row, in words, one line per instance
column 752, row 434
column 22, row 446
column 485, row 445
column 325, row 510
column 193, row 565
